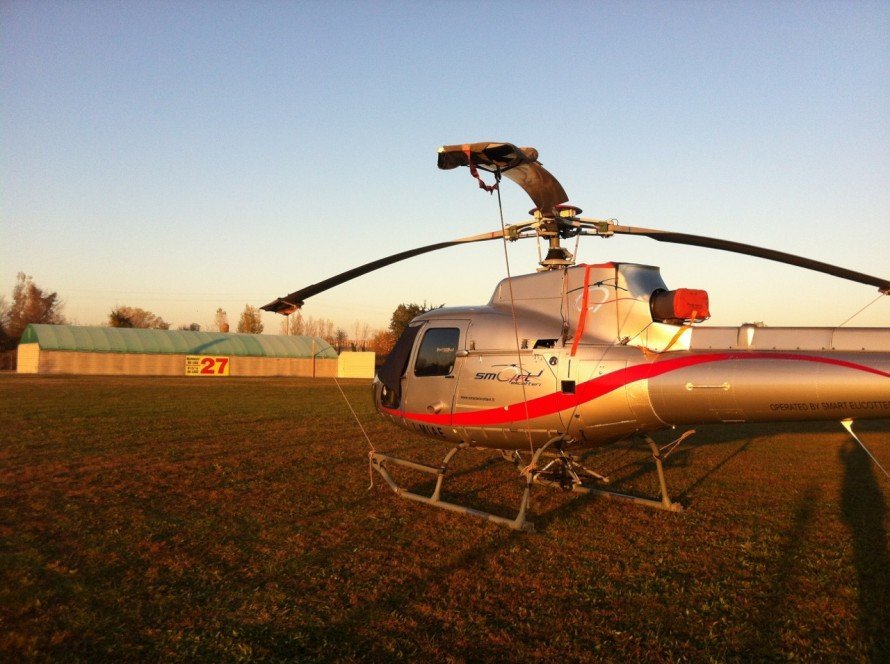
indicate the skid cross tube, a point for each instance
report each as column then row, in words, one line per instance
column 664, row 504
column 564, row 472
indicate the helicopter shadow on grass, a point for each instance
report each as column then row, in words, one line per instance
column 864, row 510
column 782, row 579
column 614, row 460
column 614, row 463
column 642, row 468
column 713, row 435
column 684, row 457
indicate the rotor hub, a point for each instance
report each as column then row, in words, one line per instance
column 563, row 211
column 549, row 227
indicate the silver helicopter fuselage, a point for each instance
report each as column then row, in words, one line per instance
column 577, row 352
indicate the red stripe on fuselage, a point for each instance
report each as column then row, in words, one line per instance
column 597, row 387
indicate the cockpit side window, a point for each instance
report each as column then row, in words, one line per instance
column 437, row 351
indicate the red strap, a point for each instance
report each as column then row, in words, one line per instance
column 475, row 173
column 582, row 317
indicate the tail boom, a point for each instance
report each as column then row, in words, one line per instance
column 781, row 386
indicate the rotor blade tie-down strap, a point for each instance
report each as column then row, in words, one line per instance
column 680, row 332
column 475, row 173
column 365, row 433
column 582, row 316
column 654, row 353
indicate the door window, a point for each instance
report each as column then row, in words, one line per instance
column 437, row 351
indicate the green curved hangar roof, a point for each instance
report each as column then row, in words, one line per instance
column 173, row 342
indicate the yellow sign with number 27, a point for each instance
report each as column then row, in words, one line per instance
column 206, row 365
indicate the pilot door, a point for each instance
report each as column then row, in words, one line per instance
column 432, row 375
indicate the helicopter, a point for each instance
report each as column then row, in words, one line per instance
column 573, row 357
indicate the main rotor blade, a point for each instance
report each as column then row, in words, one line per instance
column 760, row 252
column 519, row 164
column 290, row 303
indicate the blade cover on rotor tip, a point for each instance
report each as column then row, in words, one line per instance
column 487, row 156
column 519, row 164
column 282, row 306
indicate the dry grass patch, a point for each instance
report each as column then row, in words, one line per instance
column 163, row 518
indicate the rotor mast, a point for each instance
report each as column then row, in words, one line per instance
column 552, row 228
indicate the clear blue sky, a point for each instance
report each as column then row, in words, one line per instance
column 180, row 156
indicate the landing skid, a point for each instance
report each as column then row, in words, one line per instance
column 379, row 462
column 562, row 472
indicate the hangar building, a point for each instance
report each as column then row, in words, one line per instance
column 74, row 349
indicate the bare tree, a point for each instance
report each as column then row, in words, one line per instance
column 221, row 320
column 136, row 317
column 319, row 327
column 310, row 327
column 362, row 335
column 340, row 338
column 250, row 321
column 292, row 324
column 30, row 304
column 4, row 315
column 365, row 336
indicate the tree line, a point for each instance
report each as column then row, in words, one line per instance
column 31, row 304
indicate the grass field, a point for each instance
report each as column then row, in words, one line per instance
column 162, row 518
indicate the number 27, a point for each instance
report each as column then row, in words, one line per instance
column 214, row 365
